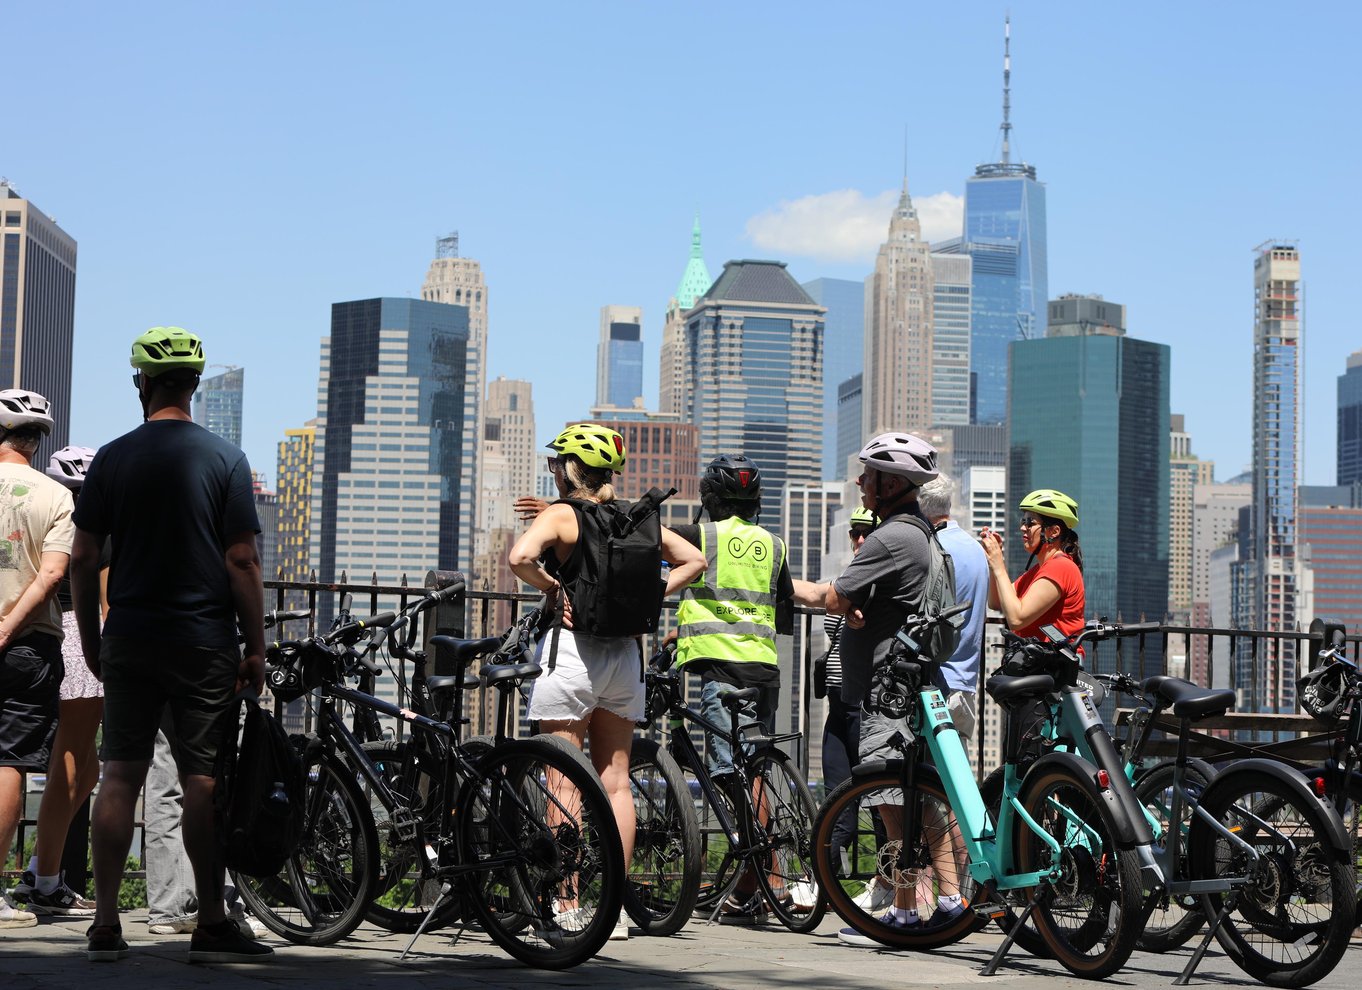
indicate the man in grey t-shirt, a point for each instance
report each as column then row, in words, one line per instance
column 881, row 586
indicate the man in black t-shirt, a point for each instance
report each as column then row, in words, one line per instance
column 176, row 502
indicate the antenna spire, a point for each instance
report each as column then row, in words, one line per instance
column 1007, row 87
column 905, row 159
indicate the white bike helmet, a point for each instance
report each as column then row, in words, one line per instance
column 69, row 465
column 20, row 408
column 902, row 454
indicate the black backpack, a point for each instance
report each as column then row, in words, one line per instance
column 619, row 587
column 259, row 799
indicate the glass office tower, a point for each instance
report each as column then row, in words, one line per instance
column 1005, row 237
column 1089, row 416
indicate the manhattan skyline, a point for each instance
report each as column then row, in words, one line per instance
column 243, row 204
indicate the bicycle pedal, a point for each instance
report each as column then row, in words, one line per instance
column 989, row 910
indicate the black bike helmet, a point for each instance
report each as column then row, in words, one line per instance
column 732, row 477
column 1323, row 692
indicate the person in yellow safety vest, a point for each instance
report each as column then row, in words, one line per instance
column 728, row 618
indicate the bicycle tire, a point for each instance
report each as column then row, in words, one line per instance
column 404, row 893
column 321, row 894
column 664, row 870
column 780, row 792
column 859, row 794
column 1292, row 923
column 1171, row 925
column 1089, row 918
column 539, row 818
column 719, row 868
column 1014, row 901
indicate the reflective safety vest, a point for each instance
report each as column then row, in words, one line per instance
column 729, row 613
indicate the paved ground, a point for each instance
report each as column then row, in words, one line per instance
column 701, row 956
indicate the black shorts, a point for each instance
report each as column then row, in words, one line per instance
column 142, row 678
column 30, row 697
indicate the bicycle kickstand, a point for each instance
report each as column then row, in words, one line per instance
column 1185, row 977
column 446, row 889
column 991, row 969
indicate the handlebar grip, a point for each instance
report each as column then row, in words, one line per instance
column 664, row 658
column 363, row 657
column 381, row 619
column 1135, row 628
column 450, row 591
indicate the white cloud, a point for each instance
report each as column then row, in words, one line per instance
column 847, row 226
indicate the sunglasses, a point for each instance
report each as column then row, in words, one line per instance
column 859, row 532
column 554, row 463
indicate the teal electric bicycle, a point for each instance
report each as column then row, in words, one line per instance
column 1061, row 835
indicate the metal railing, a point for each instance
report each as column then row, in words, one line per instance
column 1204, row 654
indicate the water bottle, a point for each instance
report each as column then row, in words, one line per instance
column 276, row 802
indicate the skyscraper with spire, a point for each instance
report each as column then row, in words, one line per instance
column 695, row 282
column 898, row 328
column 1005, row 236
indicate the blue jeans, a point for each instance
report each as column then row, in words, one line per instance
column 718, row 753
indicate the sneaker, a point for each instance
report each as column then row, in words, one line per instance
column 944, row 916
column 62, row 901
column 15, row 917
column 224, row 943
column 858, row 938
column 249, row 924
column 804, row 895
column 182, row 925
column 23, row 890
column 735, row 911
column 877, row 896
column 104, row 943
column 621, row 930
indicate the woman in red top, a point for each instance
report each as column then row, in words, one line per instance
column 1050, row 592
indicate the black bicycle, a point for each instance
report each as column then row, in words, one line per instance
column 523, row 835
column 698, row 837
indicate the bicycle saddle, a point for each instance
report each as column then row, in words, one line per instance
column 1187, row 699
column 495, row 674
column 445, row 682
column 735, row 699
column 466, row 649
column 1005, row 688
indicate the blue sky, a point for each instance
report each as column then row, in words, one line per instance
column 237, row 168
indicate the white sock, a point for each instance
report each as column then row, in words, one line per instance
column 905, row 916
column 46, row 885
column 33, row 866
column 948, row 902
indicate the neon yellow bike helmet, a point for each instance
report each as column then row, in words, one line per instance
column 861, row 516
column 163, row 349
column 1053, row 505
column 595, row 446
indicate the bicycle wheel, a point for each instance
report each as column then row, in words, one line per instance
column 931, row 864
column 785, row 812
column 540, row 824
column 664, row 871
column 719, row 869
column 1090, row 916
column 1014, row 901
column 405, row 892
column 321, row 894
column 1290, row 925
column 1171, row 924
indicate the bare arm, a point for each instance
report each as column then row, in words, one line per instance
column 248, row 596
column 687, row 562
column 809, row 594
column 86, row 594
column 39, row 592
column 836, row 603
column 1017, row 611
column 555, row 526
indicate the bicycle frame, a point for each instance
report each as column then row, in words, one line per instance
column 988, row 844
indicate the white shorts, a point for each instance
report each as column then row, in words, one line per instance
column 590, row 672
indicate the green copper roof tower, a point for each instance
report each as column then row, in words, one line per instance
column 695, row 281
